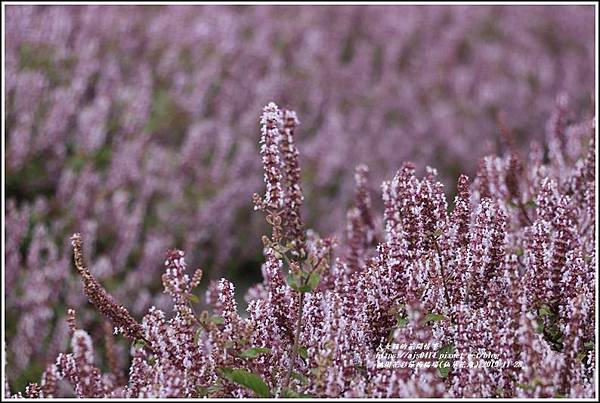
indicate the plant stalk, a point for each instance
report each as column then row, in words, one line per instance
column 294, row 353
column 443, row 273
column 524, row 212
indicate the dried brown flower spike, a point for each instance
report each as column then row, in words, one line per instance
column 99, row 297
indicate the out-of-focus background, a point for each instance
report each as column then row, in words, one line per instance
column 138, row 126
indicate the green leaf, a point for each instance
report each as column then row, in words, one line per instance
column 442, row 369
column 589, row 345
column 519, row 252
column 303, row 352
column 531, row 204
column 217, row 320
column 300, row 377
column 554, row 332
column 193, row 298
column 434, row 317
column 254, row 352
column 204, row 391
column 540, row 327
column 438, row 232
column 294, row 281
column 290, row 393
column 247, row 379
column 139, row 344
column 401, row 322
column 297, row 283
column 545, row 311
column 448, row 349
column 293, row 394
column 313, row 280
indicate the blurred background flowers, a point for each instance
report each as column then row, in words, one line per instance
column 138, row 126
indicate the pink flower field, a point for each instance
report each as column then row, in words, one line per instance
column 297, row 201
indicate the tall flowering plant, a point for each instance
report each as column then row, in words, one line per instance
column 136, row 126
column 493, row 297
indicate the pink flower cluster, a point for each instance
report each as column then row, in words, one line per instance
column 506, row 271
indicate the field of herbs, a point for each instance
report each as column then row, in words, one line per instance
column 300, row 201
